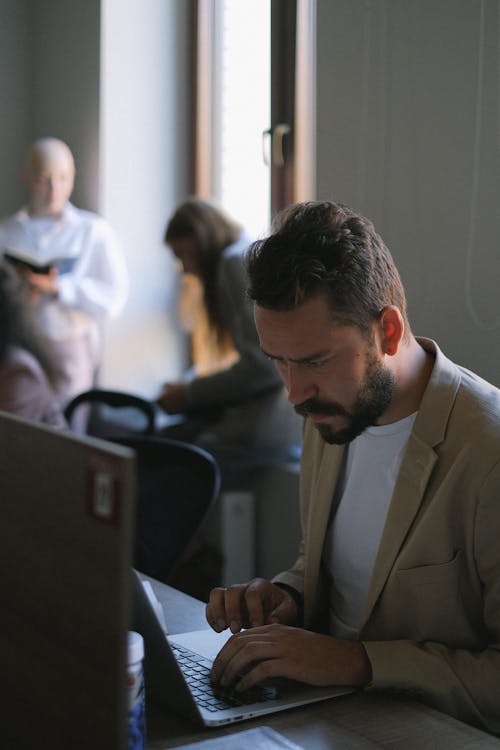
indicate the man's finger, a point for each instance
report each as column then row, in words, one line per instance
column 254, row 600
column 285, row 613
column 235, row 607
column 216, row 610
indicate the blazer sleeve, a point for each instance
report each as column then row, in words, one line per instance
column 253, row 373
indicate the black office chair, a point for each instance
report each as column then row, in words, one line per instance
column 178, row 484
column 104, row 413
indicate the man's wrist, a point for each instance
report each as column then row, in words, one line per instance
column 364, row 673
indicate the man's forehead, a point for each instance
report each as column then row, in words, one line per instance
column 50, row 159
column 300, row 334
column 314, row 312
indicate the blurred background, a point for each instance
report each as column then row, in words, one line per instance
column 391, row 106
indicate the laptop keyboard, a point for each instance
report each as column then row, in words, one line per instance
column 196, row 671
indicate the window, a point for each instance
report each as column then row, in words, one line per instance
column 254, row 109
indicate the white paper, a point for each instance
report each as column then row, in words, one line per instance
column 261, row 738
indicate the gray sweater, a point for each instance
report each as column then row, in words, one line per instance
column 253, row 373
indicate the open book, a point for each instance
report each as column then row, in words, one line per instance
column 21, row 260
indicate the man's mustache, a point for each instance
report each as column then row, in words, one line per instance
column 313, row 406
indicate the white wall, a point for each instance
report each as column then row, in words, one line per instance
column 408, row 133
column 64, row 40
column 144, row 126
column 49, row 84
column 15, row 103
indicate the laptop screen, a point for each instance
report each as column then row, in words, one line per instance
column 66, row 513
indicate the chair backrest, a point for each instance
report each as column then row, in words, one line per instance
column 177, row 486
column 104, row 413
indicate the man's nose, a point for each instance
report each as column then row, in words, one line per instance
column 298, row 383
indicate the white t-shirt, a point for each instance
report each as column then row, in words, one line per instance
column 353, row 537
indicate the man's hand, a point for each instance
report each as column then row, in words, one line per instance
column 43, row 283
column 173, row 398
column 273, row 651
column 248, row 605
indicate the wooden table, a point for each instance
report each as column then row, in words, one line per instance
column 359, row 722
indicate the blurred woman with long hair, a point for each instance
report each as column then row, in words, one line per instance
column 27, row 375
column 239, row 412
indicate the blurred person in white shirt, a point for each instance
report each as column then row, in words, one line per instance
column 77, row 277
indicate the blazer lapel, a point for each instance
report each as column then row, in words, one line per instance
column 319, row 512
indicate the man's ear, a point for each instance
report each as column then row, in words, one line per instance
column 392, row 327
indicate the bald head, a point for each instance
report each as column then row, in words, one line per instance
column 48, row 175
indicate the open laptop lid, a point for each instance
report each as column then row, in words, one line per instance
column 66, row 511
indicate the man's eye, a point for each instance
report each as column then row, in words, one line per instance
column 315, row 364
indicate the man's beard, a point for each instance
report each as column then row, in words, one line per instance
column 374, row 396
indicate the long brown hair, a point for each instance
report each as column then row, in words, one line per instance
column 211, row 230
column 16, row 326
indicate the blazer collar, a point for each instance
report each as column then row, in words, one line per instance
column 439, row 397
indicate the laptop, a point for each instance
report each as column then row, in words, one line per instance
column 66, row 515
column 177, row 671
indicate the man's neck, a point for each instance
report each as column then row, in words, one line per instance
column 44, row 214
column 412, row 371
column 40, row 212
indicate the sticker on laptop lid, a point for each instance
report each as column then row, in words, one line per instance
column 103, row 495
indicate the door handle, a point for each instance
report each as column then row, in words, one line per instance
column 277, row 134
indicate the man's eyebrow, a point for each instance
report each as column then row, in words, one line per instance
column 300, row 360
column 270, row 356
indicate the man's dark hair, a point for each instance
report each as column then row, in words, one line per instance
column 325, row 247
column 16, row 325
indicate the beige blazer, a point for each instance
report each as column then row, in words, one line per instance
column 432, row 616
